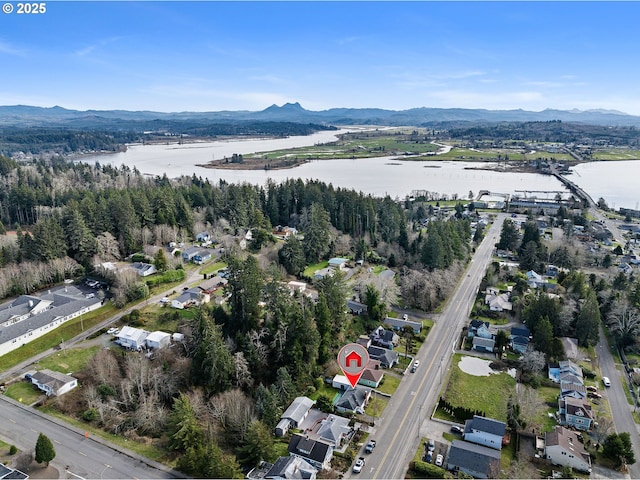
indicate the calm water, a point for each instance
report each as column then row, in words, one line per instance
column 376, row 176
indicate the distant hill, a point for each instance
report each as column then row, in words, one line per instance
column 29, row 116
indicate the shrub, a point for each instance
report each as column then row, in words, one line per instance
column 13, row 450
column 428, row 470
column 90, row 415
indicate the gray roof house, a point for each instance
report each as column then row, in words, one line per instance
column 485, row 431
column 28, row 317
column 387, row 358
column 475, row 460
column 398, row 323
column 333, row 430
column 144, row 269
column 483, row 344
column 291, row 467
column 53, row 383
column 563, row 448
column 316, row 452
column 354, row 400
column 294, row 415
column 575, row 390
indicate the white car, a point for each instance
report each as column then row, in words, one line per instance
column 606, row 382
column 439, row 460
column 112, row 331
column 415, row 366
column 357, row 467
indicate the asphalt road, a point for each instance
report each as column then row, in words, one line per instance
column 621, row 411
column 86, row 457
column 397, row 431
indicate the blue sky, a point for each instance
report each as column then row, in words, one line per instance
column 210, row 56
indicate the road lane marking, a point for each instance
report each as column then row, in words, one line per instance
column 82, row 453
column 12, row 420
column 34, row 431
column 57, row 442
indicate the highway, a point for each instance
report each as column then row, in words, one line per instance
column 397, row 431
column 86, row 457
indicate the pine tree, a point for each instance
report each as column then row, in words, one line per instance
column 44, row 449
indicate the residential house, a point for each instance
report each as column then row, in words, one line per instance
column 364, row 340
column 323, row 272
column 317, row 452
column 291, row 467
column 485, row 431
column 534, row 279
column 485, row 331
column 131, row 338
column 192, row 296
column 381, row 337
column 212, row 284
column 294, row 415
column 28, row 317
column 8, row 473
column 520, row 338
column 387, row 358
column 372, row 374
column 566, row 370
column 574, row 413
column 356, row 308
column 498, row 302
column 481, row 344
column 475, row 460
column 203, row 237
column 340, row 382
column 53, row 383
column 563, row 448
column 189, row 253
column 397, row 324
column 158, row 340
column 201, row 257
column 144, row 269
column 353, row 401
column 338, row 263
column 474, row 325
column 575, row 390
column 333, row 430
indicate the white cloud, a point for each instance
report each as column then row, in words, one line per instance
column 10, row 49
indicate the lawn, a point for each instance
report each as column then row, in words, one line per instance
column 23, row 392
column 214, row 267
column 308, row 272
column 389, row 384
column 376, row 405
column 69, row 360
column 484, row 394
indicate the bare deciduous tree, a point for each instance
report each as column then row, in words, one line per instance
column 235, row 411
column 24, row 460
column 531, row 405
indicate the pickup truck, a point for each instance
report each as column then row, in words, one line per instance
column 370, row 446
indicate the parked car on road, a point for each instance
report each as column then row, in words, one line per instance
column 606, row 382
column 357, row 467
column 370, row 446
column 415, row 366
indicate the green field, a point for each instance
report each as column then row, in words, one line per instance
column 23, row 392
column 68, row 360
column 486, row 394
column 214, row 267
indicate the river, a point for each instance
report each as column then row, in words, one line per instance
column 376, row 176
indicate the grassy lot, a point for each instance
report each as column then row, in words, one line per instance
column 549, row 396
column 23, row 392
column 52, row 339
column 68, row 360
column 5, row 456
column 308, row 272
column 326, row 390
column 149, row 450
column 389, row 384
column 376, row 405
column 616, row 154
column 214, row 267
column 485, row 394
column 507, row 455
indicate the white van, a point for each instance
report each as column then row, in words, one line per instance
column 606, row 382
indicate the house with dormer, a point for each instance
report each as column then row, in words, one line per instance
column 576, row 413
column 353, row 400
column 317, row 452
column 563, row 448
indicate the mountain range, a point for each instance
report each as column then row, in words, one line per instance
column 31, row 116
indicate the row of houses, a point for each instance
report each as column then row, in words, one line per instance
column 138, row 339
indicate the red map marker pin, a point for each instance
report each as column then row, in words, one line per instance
column 353, row 359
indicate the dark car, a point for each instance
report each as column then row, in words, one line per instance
column 370, row 446
column 457, row 429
